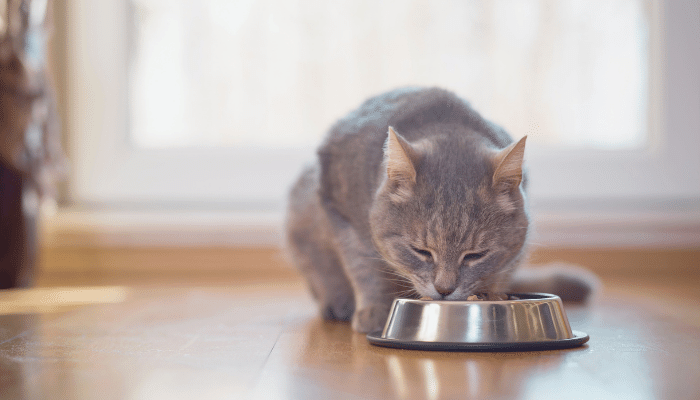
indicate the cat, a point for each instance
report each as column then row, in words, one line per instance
column 414, row 195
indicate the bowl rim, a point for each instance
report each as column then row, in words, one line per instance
column 579, row 338
column 542, row 296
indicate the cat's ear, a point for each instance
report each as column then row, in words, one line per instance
column 399, row 158
column 509, row 165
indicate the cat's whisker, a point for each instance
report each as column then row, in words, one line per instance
column 389, row 271
column 387, row 268
column 406, row 293
column 392, row 272
column 396, row 275
column 408, row 290
column 400, row 279
column 374, row 258
column 392, row 267
column 403, row 283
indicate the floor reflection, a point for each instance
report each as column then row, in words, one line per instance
column 14, row 331
column 350, row 364
column 472, row 375
column 42, row 300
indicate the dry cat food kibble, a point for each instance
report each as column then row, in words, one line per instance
column 484, row 297
column 493, row 297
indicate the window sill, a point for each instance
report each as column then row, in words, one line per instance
column 578, row 225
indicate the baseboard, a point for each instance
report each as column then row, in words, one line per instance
column 577, row 226
column 270, row 261
column 623, row 262
column 163, row 260
column 89, row 242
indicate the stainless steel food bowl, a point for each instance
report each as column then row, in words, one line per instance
column 536, row 321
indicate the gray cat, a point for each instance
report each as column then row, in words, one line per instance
column 414, row 195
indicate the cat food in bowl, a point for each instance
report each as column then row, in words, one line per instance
column 484, row 296
column 531, row 321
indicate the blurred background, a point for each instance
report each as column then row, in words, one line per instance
column 185, row 122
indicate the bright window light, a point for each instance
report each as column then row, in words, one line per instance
column 274, row 73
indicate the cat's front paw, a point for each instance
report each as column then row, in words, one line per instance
column 370, row 319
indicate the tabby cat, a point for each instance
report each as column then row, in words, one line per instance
column 414, row 195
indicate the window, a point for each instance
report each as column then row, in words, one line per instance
column 219, row 103
column 269, row 73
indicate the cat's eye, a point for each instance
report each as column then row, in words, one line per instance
column 426, row 254
column 471, row 257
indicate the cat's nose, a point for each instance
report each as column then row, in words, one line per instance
column 444, row 290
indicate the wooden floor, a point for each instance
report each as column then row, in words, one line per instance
column 212, row 338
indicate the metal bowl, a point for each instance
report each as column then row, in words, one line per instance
column 535, row 322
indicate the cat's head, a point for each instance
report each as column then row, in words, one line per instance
column 450, row 215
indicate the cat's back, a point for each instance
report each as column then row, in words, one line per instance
column 352, row 153
column 376, row 111
column 407, row 109
column 360, row 135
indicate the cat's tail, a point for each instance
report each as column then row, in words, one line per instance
column 571, row 283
